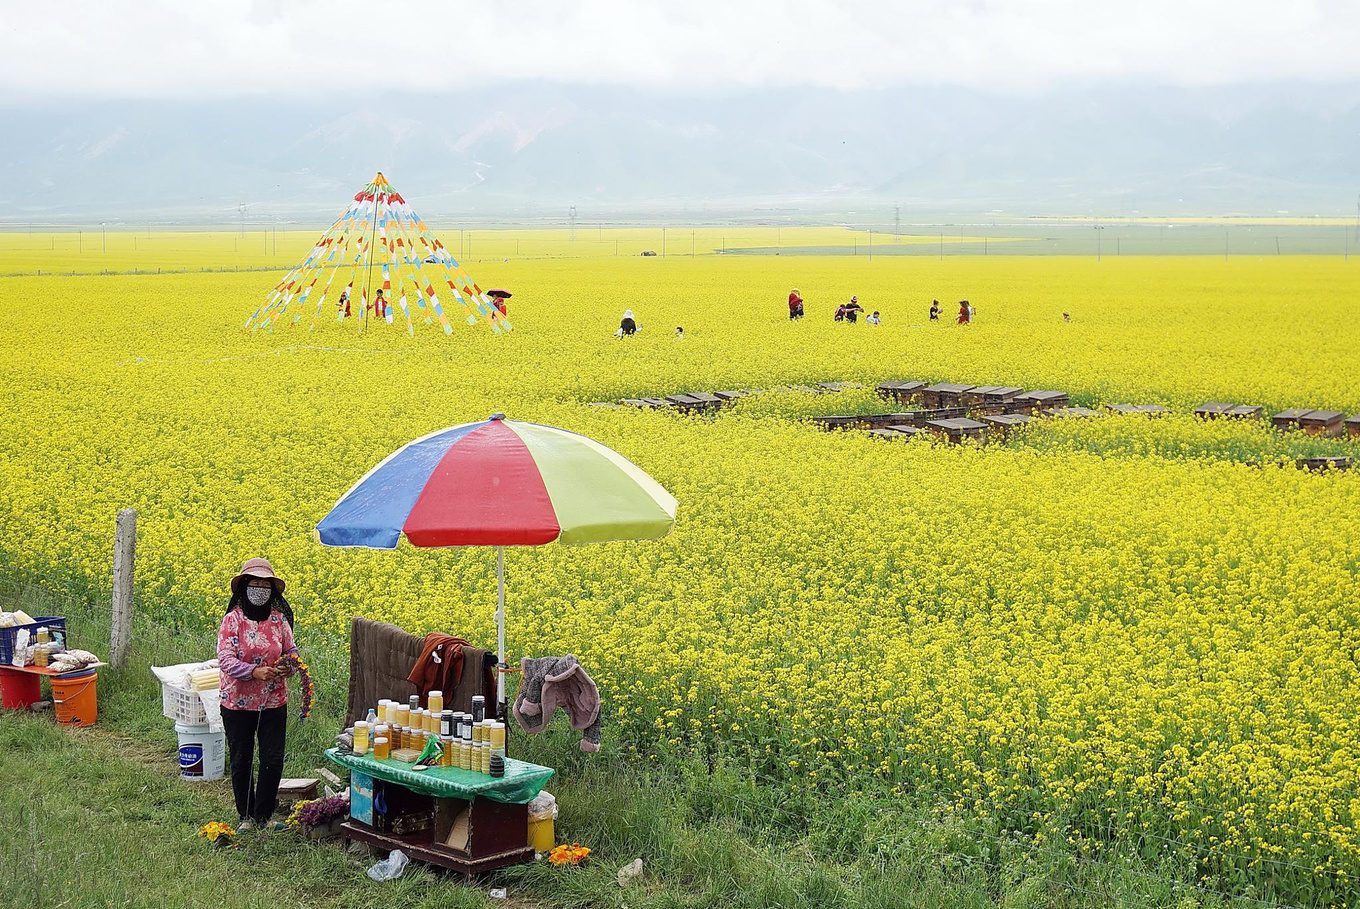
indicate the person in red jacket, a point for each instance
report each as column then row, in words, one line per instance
column 795, row 305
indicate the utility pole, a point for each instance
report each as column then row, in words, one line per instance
column 663, row 242
column 1098, row 229
column 103, row 238
column 941, row 246
column 572, row 214
column 897, row 224
column 691, row 244
column 871, row 244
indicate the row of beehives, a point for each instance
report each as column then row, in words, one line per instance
column 956, row 412
column 959, row 412
column 712, row 400
column 1315, row 422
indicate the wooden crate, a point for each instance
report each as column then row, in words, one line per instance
column 727, row 396
column 1289, row 419
column 1328, row 463
column 956, row 429
column 1323, row 422
column 837, row 386
column 644, row 403
column 1353, row 426
column 1210, row 410
column 901, row 392
column 943, row 394
column 1069, row 412
column 1247, row 412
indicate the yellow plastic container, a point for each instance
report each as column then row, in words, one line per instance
column 541, row 834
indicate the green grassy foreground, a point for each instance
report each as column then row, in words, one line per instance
column 99, row 817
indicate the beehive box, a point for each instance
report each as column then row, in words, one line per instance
column 730, row 395
column 1323, row 422
column 1069, row 412
column 1327, row 463
column 1210, row 410
column 897, row 432
column 956, row 429
column 1137, row 408
column 1000, row 394
column 976, row 394
column 837, row 386
column 881, row 420
column 1005, row 423
column 901, row 392
column 1289, row 419
column 644, row 403
column 1043, row 400
column 1246, row 412
column 1353, row 426
column 836, row 422
column 943, row 394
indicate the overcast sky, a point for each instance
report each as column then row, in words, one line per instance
column 310, row 48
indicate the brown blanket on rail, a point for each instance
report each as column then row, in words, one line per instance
column 381, row 657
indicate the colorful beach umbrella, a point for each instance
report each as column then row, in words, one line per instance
column 500, row 483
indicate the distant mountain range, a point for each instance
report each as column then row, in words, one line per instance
column 529, row 151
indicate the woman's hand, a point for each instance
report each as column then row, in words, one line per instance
column 264, row 673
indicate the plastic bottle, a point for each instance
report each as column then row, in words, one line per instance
column 435, row 701
column 361, row 737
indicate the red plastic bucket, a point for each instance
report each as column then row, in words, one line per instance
column 19, row 690
column 74, row 699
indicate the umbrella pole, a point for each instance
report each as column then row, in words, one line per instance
column 500, row 630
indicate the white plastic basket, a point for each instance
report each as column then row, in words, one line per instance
column 182, row 706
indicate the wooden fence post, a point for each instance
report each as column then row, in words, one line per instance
column 124, row 559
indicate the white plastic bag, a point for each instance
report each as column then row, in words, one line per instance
column 390, row 868
column 543, row 806
column 19, row 657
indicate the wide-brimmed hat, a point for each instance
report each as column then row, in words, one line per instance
column 257, row 568
column 628, row 314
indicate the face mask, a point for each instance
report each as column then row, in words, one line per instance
column 258, row 596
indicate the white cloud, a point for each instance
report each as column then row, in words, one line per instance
column 172, row 48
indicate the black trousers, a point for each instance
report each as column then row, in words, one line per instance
column 257, row 794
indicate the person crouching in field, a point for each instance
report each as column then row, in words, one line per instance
column 795, row 305
column 627, row 326
column 256, row 632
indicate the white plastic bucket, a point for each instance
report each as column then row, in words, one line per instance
column 202, row 752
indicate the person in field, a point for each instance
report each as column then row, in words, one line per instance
column 965, row 312
column 934, row 310
column 343, row 305
column 874, row 319
column 379, row 304
column 256, row 631
column 627, row 325
column 853, row 309
column 840, row 313
column 795, row 304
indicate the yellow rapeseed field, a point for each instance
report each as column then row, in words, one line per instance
column 1115, row 628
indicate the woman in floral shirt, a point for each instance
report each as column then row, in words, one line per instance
column 256, row 631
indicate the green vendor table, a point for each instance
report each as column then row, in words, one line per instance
column 522, row 780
